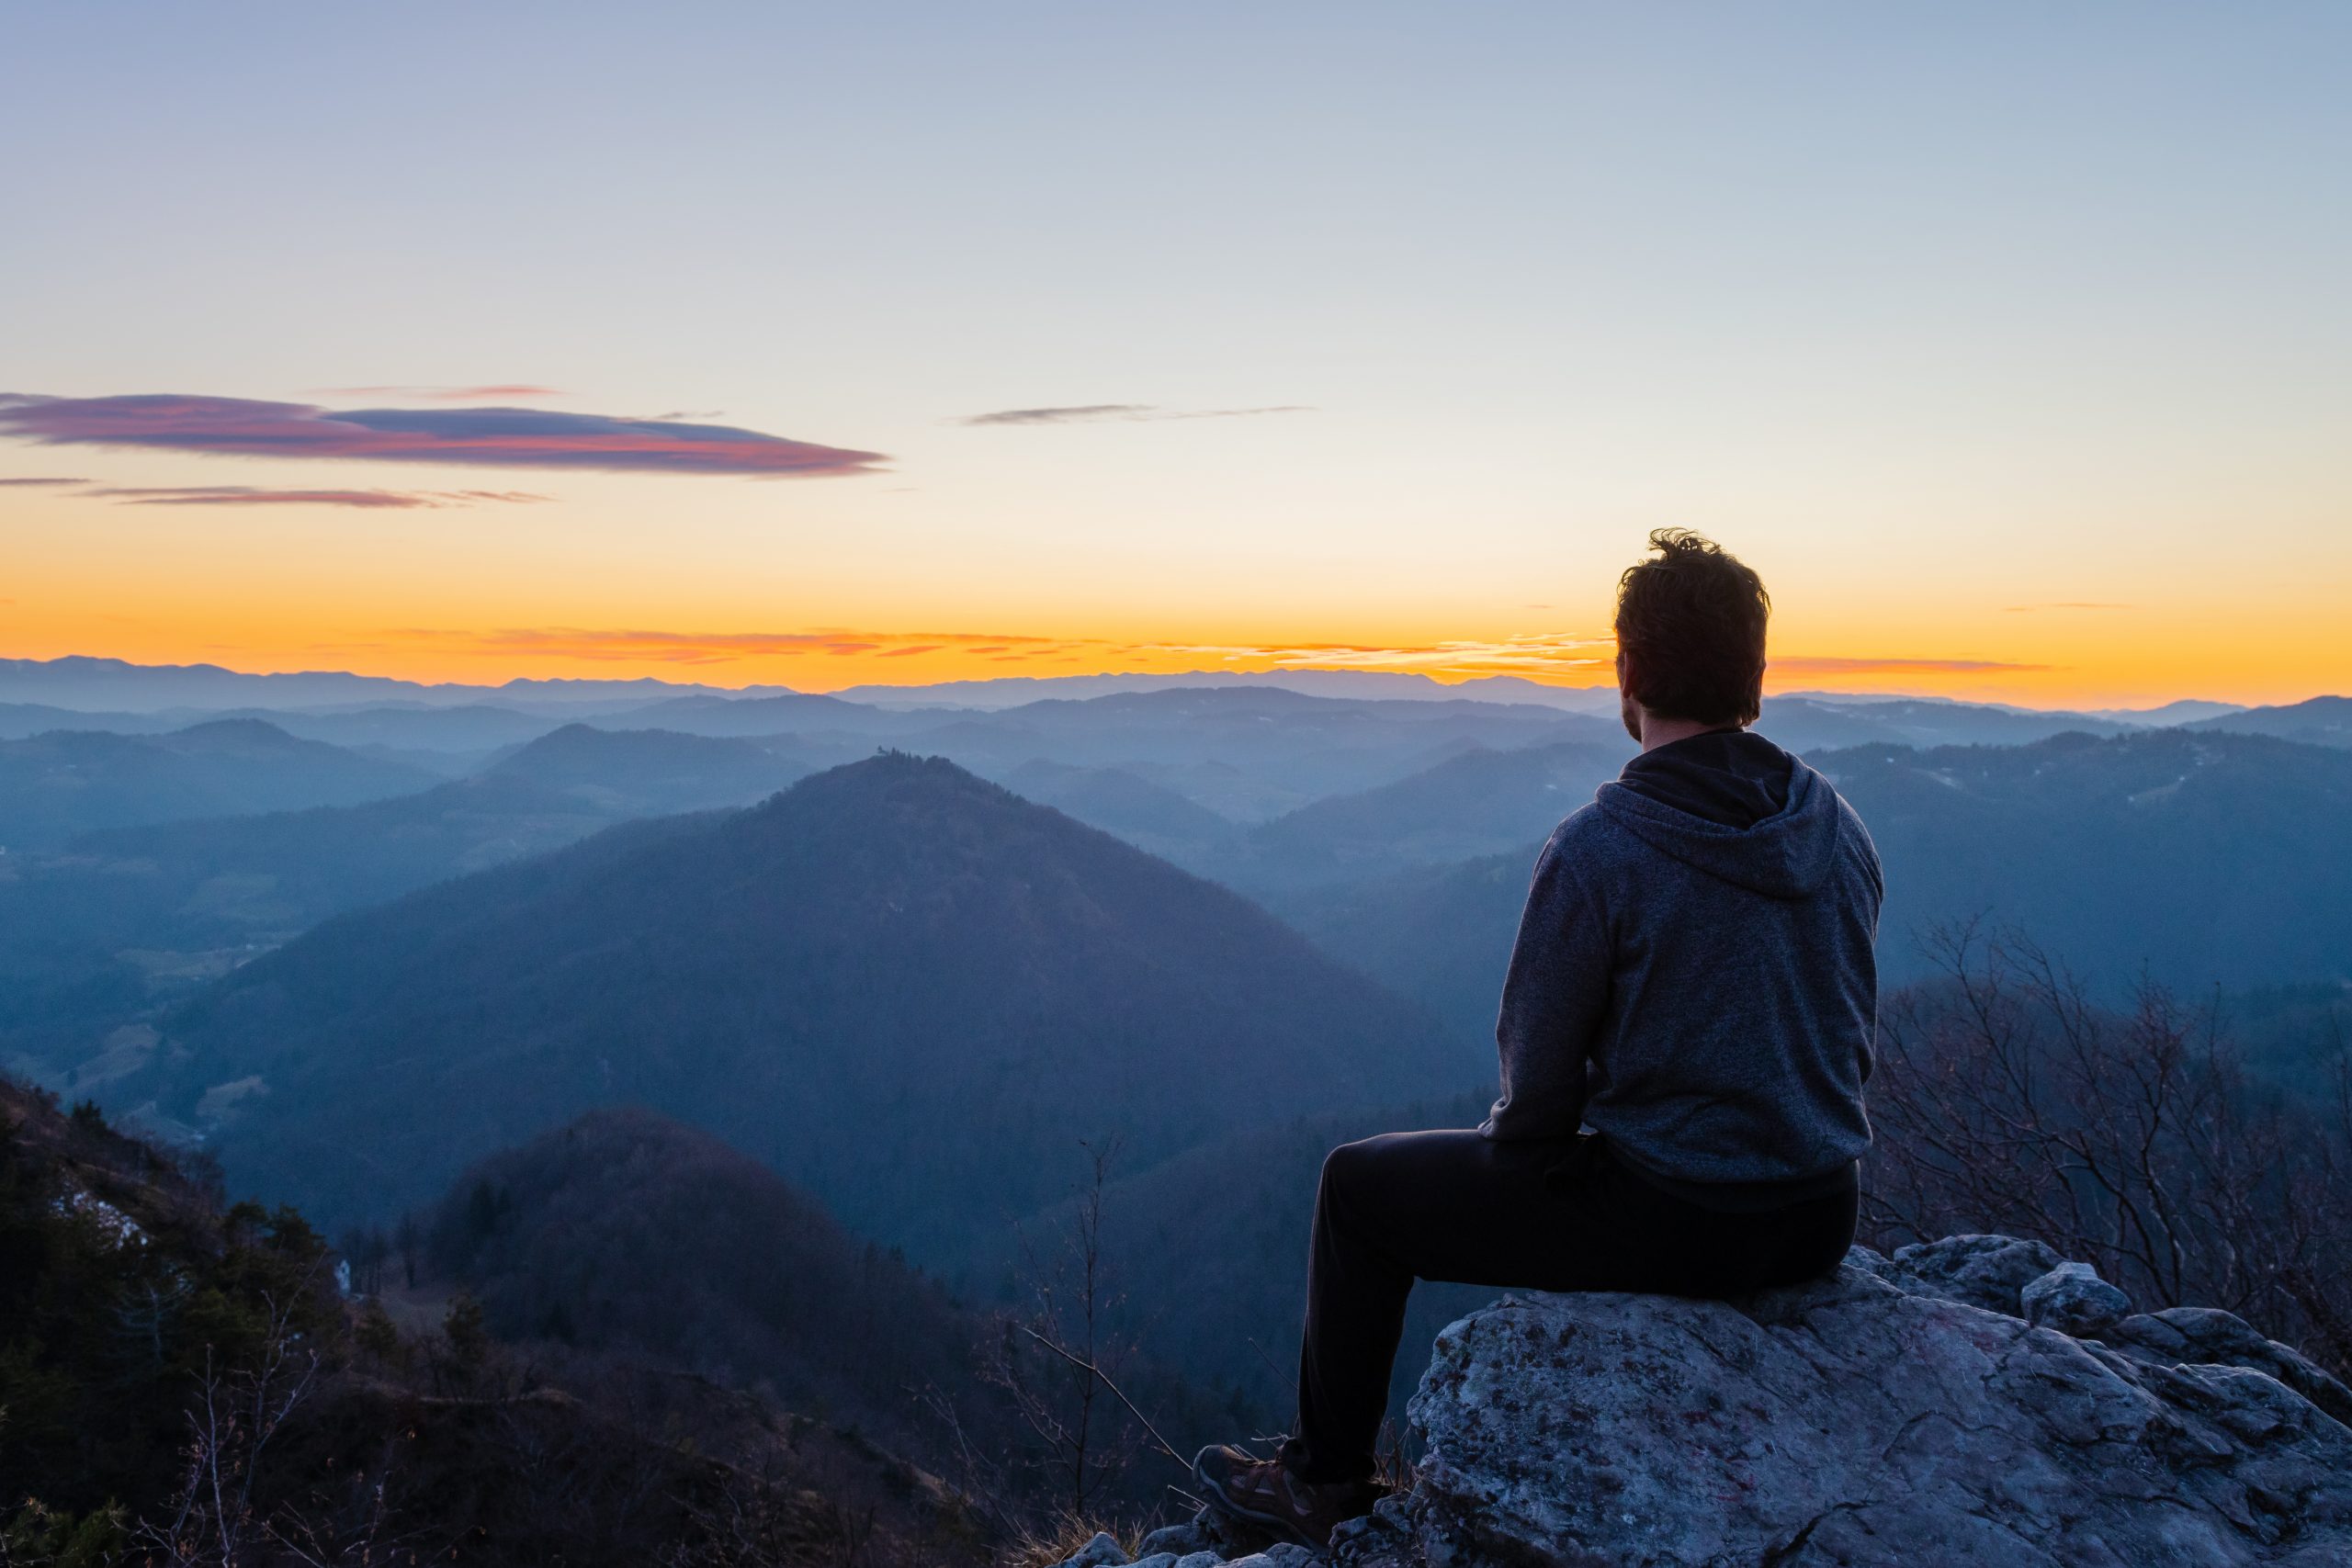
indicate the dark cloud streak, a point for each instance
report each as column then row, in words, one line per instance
column 488, row 438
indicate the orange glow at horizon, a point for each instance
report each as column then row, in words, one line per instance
column 822, row 588
column 2107, row 673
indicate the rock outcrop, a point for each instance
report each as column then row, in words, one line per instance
column 1976, row 1401
column 1972, row 1401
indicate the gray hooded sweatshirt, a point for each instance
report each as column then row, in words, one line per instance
column 1694, row 977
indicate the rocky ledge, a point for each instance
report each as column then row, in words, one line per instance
column 1973, row 1401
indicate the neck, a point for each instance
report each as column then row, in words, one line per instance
column 1658, row 732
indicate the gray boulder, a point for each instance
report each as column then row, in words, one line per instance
column 1988, row 1271
column 1100, row 1552
column 2074, row 1300
column 1901, row 1412
column 1183, row 1539
column 2204, row 1337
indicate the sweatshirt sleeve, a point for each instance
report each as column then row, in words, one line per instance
column 1553, row 999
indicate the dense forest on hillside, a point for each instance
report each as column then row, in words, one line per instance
column 625, row 1231
column 184, row 1384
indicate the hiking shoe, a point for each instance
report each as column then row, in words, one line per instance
column 1261, row 1492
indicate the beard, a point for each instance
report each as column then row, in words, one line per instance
column 1630, row 712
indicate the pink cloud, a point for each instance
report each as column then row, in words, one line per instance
column 476, row 394
column 491, row 437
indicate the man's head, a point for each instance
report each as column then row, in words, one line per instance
column 1690, row 635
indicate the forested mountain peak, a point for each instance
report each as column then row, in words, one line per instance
column 625, row 1229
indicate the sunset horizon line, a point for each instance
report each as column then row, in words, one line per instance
column 552, row 674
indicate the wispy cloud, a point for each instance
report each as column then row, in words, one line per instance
column 1086, row 413
column 491, row 437
column 443, row 394
column 254, row 495
column 719, row 648
column 2066, row 605
column 1537, row 655
column 1560, row 656
column 44, row 480
column 1533, row 654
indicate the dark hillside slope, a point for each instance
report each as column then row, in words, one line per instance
column 55, row 786
column 123, row 1280
column 1230, row 1221
column 627, row 1231
column 1149, row 815
column 1441, row 934
column 910, row 992
column 119, row 1276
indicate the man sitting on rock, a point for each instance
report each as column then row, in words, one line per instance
column 1693, row 983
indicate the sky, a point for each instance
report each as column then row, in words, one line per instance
column 829, row 346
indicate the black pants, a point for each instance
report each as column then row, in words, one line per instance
column 1545, row 1216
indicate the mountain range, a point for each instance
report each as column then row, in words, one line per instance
column 96, row 934
column 2199, row 856
column 1475, row 803
column 64, row 783
column 83, row 682
column 2321, row 721
column 902, row 987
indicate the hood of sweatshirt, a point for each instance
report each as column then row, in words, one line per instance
column 1734, row 806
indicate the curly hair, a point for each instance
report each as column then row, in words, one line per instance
column 1691, row 626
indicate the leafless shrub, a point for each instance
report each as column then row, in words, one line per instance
column 1057, row 1363
column 215, row 1519
column 2132, row 1138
